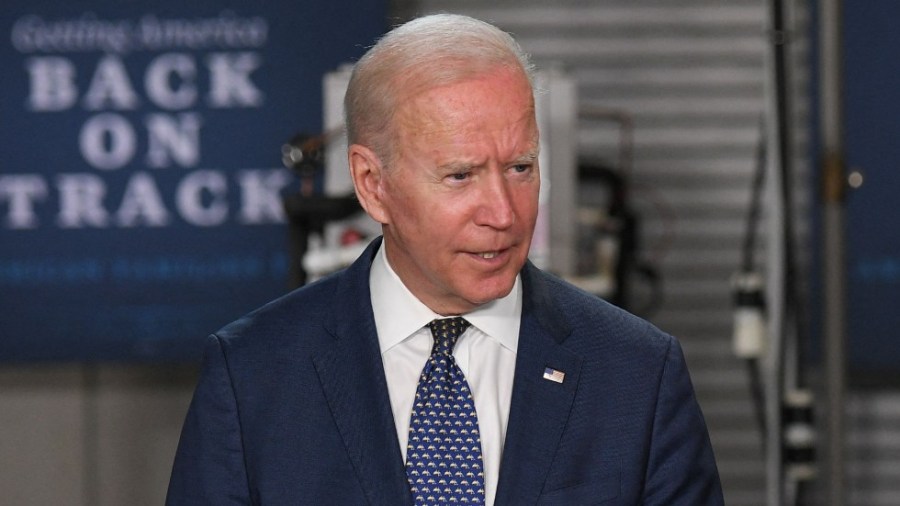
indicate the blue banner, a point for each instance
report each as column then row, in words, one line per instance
column 872, row 120
column 140, row 174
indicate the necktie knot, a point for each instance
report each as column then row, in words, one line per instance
column 446, row 332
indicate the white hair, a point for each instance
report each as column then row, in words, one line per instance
column 421, row 54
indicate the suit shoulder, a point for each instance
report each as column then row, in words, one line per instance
column 289, row 315
column 590, row 317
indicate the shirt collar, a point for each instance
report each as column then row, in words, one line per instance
column 399, row 314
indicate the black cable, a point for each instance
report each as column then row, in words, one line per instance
column 748, row 252
column 748, row 264
column 758, row 397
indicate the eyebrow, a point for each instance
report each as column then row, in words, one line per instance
column 456, row 167
column 529, row 157
column 462, row 166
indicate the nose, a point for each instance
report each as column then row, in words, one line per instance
column 495, row 208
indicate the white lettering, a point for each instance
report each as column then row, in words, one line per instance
column 81, row 201
column 107, row 141
column 201, row 198
column 261, row 195
column 110, row 85
column 230, row 84
column 142, row 203
column 169, row 81
column 169, row 140
column 189, row 198
column 52, row 83
column 87, row 33
column 21, row 192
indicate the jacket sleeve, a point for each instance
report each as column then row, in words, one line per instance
column 681, row 468
column 209, row 464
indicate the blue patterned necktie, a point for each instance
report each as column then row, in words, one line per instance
column 443, row 456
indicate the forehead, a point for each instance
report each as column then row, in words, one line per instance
column 496, row 107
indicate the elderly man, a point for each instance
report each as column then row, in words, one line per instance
column 441, row 367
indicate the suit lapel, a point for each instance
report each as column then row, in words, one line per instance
column 539, row 407
column 352, row 378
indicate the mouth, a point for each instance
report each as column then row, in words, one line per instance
column 495, row 255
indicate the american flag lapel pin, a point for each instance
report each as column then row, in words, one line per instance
column 554, row 375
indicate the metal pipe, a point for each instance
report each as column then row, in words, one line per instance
column 833, row 262
column 782, row 366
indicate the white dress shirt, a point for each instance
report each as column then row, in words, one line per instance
column 486, row 354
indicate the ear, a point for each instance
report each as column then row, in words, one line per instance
column 366, row 170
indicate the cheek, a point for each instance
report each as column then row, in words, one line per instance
column 527, row 203
column 400, row 204
column 422, row 225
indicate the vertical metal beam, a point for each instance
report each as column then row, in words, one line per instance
column 557, row 116
column 833, row 262
column 778, row 231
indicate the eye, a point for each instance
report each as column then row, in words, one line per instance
column 459, row 176
column 521, row 168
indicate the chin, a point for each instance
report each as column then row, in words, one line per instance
column 492, row 293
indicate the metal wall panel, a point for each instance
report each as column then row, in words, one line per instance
column 873, row 448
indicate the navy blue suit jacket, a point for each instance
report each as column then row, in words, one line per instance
column 292, row 408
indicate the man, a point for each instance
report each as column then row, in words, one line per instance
column 542, row 394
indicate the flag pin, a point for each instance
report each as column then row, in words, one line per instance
column 554, row 375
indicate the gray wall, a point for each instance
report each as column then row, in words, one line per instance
column 86, row 435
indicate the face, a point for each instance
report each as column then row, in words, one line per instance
column 459, row 202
